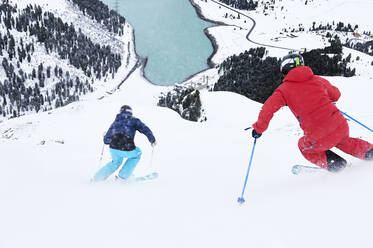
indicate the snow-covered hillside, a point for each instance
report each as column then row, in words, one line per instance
column 53, row 54
column 280, row 26
column 47, row 160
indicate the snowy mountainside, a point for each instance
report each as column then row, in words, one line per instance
column 296, row 12
column 48, row 158
column 47, row 196
column 53, row 54
column 286, row 24
column 239, row 30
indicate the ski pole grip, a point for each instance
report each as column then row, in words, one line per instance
column 247, row 128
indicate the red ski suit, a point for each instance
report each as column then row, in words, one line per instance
column 310, row 98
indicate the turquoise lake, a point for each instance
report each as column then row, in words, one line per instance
column 170, row 34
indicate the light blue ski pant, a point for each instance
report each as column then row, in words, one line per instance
column 117, row 156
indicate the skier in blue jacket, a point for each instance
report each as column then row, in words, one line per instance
column 120, row 137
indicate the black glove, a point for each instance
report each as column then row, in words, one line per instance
column 256, row 135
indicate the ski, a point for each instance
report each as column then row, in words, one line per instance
column 150, row 176
column 303, row 169
column 147, row 177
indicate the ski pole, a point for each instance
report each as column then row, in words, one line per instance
column 102, row 152
column 153, row 174
column 241, row 200
column 151, row 159
column 356, row 121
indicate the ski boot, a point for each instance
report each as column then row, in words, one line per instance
column 369, row 155
column 335, row 162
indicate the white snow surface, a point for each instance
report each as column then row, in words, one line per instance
column 47, row 160
column 48, row 200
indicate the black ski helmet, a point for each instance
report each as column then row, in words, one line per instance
column 289, row 62
column 126, row 108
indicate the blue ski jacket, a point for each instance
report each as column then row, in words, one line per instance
column 122, row 132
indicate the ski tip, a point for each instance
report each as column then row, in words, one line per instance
column 296, row 169
column 152, row 175
column 301, row 169
column 155, row 174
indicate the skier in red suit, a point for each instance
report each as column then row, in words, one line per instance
column 311, row 99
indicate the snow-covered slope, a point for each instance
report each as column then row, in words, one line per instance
column 47, row 159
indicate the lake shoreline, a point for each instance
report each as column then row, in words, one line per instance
column 212, row 39
column 210, row 64
column 209, row 36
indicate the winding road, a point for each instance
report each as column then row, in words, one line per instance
column 252, row 28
